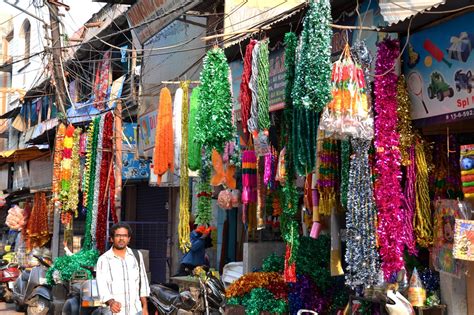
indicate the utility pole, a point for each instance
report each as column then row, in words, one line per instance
column 56, row 51
column 60, row 89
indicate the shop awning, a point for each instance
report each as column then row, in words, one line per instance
column 19, row 155
column 12, row 113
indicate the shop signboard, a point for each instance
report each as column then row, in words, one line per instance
column 439, row 70
column 148, row 17
column 133, row 168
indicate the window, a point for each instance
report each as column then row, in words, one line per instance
column 25, row 36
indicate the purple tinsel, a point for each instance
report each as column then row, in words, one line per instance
column 388, row 191
column 304, row 294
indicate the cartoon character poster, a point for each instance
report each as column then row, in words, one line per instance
column 439, row 64
column 464, row 240
column 446, row 212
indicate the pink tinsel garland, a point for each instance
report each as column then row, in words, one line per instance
column 388, row 192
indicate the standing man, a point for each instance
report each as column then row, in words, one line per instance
column 121, row 278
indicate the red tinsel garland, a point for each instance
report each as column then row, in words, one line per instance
column 107, row 145
column 113, row 211
column 245, row 93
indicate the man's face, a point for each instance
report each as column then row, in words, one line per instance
column 121, row 238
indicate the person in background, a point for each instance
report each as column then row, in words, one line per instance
column 121, row 275
column 196, row 256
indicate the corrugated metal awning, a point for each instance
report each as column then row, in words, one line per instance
column 394, row 11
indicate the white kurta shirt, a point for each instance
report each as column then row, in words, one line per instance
column 118, row 279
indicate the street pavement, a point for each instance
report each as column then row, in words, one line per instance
column 8, row 309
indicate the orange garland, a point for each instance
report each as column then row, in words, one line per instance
column 58, row 156
column 163, row 155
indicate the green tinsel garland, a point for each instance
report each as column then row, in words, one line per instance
column 345, row 164
column 313, row 73
column 273, row 263
column 214, row 119
column 204, row 204
column 291, row 42
column 288, row 224
column 194, row 148
column 262, row 86
column 68, row 265
column 259, row 300
column 91, row 162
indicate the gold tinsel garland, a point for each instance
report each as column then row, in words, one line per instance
column 183, row 227
column 253, row 280
column 404, row 127
column 73, row 199
column 422, row 222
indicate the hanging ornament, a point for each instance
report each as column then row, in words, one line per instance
column 58, row 155
column 328, row 162
column 184, row 205
column 423, row 226
column 388, row 195
column 313, row 71
column 97, row 182
column 262, row 88
column 177, row 128
column 252, row 122
column 214, row 119
column 361, row 248
column 204, row 204
column 404, row 121
column 163, row 156
column 66, row 167
column 245, row 95
column 73, row 197
column 409, row 203
column 194, row 150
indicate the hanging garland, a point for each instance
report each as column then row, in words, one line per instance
column 313, row 71
column 245, row 95
column 252, row 122
column 177, row 128
column 58, row 155
column 214, row 119
column 204, row 203
column 422, row 220
column 410, row 201
column 66, row 266
column 262, row 87
column 345, row 165
column 184, row 205
column 361, row 248
column 104, row 183
column 97, row 183
column 66, row 168
column 91, row 159
column 194, row 151
column 287, row 131
column 73, row 199
column 388, row 195
column 328, row 159
column 37, row 231
column 163, row 155
column 404, row 128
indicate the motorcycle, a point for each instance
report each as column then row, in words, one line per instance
column 210, row 298
column 83, row 295
column 31, row 291
column 9, row 272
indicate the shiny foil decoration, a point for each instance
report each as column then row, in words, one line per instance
column 404, row 128
column 388, row 192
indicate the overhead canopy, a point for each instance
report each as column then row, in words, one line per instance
column 19, row 155
column 394, row 11
column 12, row 113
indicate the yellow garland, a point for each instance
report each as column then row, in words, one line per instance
column 85, row 181
column 422, row 224
column 73, row 199
column 183, row 227
column 404, row 121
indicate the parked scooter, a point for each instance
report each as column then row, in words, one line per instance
column 31, row 291
column 84, row 296
column 9, row 272
column 209, row 300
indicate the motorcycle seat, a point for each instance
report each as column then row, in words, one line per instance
column 25, row 275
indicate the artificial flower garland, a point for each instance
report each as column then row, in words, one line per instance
column 177, row 128
column 163, row 155
column 252, row 122
column 388, row 195
column 58, row 155
column 214, row 125
column 91, row 159
column 183, row 226
column 262, row 87
column 194, row 148
column 106, row 167
column 204, row 204
column 73, row 198
column 66, row 167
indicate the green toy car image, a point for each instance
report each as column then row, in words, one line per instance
column 439, row 88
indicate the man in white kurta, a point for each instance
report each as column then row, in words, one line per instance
column 123, row 285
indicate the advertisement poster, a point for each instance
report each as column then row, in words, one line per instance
column 438, row 69
column 464, row 240
column 146, row 134
column 132, row 168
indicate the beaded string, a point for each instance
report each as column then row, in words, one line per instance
column 183, row 226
